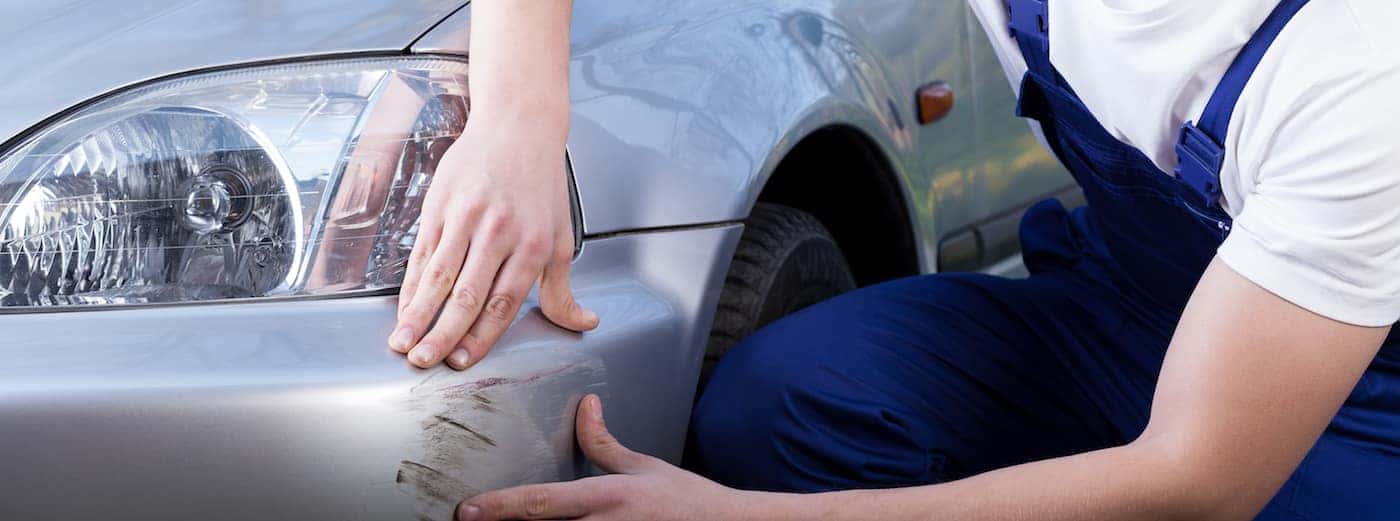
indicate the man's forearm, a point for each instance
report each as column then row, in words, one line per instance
column 1115, row 483
column 519, row 60
column 1129, row 482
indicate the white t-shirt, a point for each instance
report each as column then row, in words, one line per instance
column 1312, row 165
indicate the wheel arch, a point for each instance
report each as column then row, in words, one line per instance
column 845, row 178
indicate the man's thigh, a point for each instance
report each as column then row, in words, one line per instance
column 927, row 379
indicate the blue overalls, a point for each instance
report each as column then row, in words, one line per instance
column 938, row 377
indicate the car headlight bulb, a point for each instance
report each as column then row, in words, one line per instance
column 215, row 200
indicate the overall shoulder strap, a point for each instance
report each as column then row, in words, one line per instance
column 1200, row 150
column 1030, row 26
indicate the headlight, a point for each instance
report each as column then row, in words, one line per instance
column 288, row 180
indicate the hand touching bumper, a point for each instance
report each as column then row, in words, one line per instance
column 497, row 217
column 641, row 487
column 496, row 220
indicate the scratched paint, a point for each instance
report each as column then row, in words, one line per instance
column 469, row 429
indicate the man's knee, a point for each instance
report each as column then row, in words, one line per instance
column 748, row 384
column 791, row 409
column 734, row 433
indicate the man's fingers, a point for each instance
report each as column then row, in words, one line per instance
column 557, row 298
column 423, row 246
column 599, row 445
column 401, row 339
column 549, row 501
column 464, row 305
column 435, row 283
column 512, row 285
column 584, row 498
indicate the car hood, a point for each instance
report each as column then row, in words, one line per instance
column 58, row 53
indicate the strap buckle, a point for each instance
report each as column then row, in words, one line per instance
column 1199, row 160
column 1030, row 26
column 1028, row 19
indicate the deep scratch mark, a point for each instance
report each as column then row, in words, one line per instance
column 483, row 403
column 486, row 383
column 430, row 482
column 479, row 436
column 490, row 382
column 454, row 422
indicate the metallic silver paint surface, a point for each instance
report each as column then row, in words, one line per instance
column 296, row 410
column 683, row 108
column 61, row 52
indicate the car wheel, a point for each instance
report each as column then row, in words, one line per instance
column 785, row 261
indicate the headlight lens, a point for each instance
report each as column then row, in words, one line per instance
column 273, row 181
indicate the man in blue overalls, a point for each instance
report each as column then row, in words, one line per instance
column 1187, row 346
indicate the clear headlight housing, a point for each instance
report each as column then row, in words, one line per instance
column 289, row 180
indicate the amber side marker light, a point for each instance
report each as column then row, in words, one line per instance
column 935, row 101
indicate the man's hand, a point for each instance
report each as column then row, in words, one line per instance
column 495, row 220
column 641, row 487
column 497, row 217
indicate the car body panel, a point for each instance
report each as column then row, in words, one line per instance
column 297, row 410
column 63, row 52
column 682, row 109
column 695, row 103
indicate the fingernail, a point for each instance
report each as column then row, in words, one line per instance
column 401, row 338
column 591, row 317
column 468, row 513
column 461, row 358
column 422, row 355
column 597, row 406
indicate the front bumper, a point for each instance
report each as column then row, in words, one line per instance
column 296, row 409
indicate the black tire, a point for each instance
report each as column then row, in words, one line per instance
column 785, row 261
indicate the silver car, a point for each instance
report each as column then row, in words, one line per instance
column 205, row 208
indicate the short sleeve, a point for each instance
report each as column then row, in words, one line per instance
column 1318, row 173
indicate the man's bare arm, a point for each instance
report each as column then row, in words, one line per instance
column 1249, row 383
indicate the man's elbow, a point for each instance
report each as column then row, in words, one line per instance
column 1199, row 480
